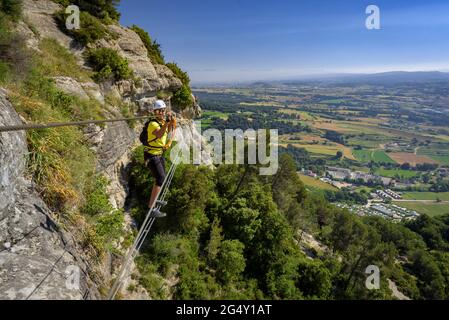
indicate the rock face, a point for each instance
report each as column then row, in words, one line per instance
column 37, row 260
column 129, row 45
column 82, row 90
column 188, row 134
column 39, row 13
column 12, row 166
column 153, row 77
column 113, row 158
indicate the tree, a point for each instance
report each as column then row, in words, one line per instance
column 191, row 189
column 314, row 279
column 240, row 221
column 442, row 260
column 432, row 230
column 287, row 186
column 102, row 9
column 334, row 136
column 230, row 261
column 213, row 247
column 339, row 155
column 431, row 282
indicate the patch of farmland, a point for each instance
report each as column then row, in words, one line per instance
column 330, row 150
column 443, row 196
column 431, row 209
column 441, row 155
column 316, row 183
column 372, row 155
column 413, row 159
column 392, row 173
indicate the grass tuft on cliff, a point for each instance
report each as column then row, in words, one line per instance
column 56, row 60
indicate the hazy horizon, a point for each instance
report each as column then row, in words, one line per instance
column 306, row 77
column 265, row 40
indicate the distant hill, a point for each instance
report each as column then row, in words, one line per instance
column 396, row 77
column 379, row 78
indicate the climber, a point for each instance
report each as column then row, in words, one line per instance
column 154, row 137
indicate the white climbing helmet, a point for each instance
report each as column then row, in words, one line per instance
column 159, row 104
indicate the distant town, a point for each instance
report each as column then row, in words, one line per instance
column 379, row 203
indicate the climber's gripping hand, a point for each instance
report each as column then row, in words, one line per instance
column 170, row 117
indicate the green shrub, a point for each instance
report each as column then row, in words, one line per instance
column 91, row 28
column 150, row 280
column 97, row 202
column 183, row 97
column 182, row 75
column 108, row 64
column 110, row 226
column 12, row 8
column 153, row 48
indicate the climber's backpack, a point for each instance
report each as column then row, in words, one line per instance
column 144, row 134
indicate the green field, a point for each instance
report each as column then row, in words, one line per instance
column 211, row 114
column 444, row 160
column 432, row 209
column 443, row 196
column 363, row 143
column 368, row 140
column 205, row 123
column 333, row 101
column 362, row 155
column 316, row 184
column 372, row 155
column 404, row 174
column 440, row 154
column 328, row 150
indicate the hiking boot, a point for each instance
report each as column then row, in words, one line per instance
column 155, row 213
column 161, row 203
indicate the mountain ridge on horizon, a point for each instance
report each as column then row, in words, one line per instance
column 380, row 77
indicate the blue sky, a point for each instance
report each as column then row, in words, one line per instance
column 220, row 41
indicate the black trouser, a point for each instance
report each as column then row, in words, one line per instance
column 157, row 166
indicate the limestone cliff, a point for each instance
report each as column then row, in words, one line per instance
column 35, row 253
